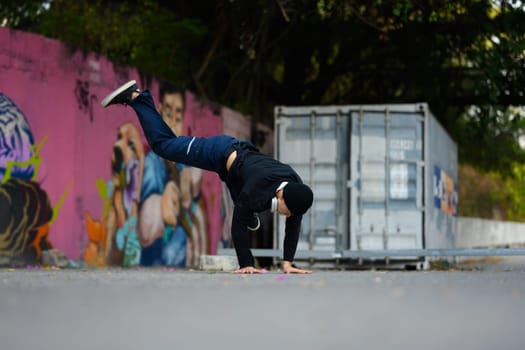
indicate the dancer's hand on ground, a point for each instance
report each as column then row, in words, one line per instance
column 288, row 268
column 247, row 270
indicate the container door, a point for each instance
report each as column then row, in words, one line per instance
column 310, row 143
column 386, row 181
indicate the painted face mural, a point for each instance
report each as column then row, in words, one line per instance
column 114, row 240
column 172, row 221
column 113, row 201
column 154, row 211
column 127, row 169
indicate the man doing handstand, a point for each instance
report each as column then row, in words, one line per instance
column 256, row 181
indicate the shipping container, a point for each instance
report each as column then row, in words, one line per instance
column 384, row 178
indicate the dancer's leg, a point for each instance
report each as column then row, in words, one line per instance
column 205, row 153
column 159, row 135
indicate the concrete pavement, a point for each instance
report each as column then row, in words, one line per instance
column 182, row 309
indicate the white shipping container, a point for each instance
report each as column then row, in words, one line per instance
column 384, row 177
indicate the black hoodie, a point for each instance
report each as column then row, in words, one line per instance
column 253, row 180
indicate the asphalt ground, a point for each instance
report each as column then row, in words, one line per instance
column 477, row 307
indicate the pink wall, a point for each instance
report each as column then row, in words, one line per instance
column 59, row 92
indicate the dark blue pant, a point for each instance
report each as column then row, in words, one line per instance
column 209, row 153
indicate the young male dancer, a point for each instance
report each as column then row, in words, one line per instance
column 256, row 181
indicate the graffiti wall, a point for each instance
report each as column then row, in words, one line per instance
column 82, row 179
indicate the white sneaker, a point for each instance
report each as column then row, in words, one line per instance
column 121, row 95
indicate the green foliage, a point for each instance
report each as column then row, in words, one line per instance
column 21, row 14
column 492, row 195
column 465, row 58
column 256, row 54
column 494, row 132
column 515, row 193
column 142, row 34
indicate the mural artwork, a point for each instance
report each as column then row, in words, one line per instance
column 153, row 212
column 82, row 181
column 25, row 210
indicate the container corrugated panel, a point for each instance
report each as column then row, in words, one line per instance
column 387, row 178
column 374, row 170
column 313, row 144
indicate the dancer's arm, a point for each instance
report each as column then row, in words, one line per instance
column 241, row 240
column 291, row 239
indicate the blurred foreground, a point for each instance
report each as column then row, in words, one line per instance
column 481, row 307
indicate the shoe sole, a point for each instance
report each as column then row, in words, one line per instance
column 105, row 102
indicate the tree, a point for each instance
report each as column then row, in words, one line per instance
column 255, row 54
